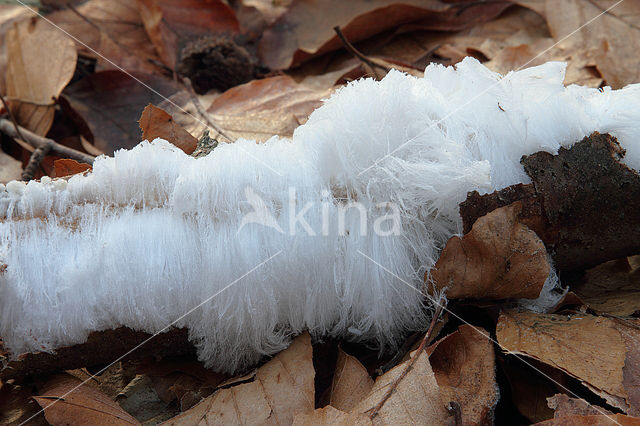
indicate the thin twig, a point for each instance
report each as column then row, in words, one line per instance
column 13, row 119
column 42, row 144
column 355, row 52
column 427, row 337
column 455, row 410
column 34, row 161
column 201, row 111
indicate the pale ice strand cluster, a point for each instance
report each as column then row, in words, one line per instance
column 152, row 233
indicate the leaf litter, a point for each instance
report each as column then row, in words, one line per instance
column 288, row 59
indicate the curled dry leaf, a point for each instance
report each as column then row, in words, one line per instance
column 465, row 369
column 114, row 29
column 281, row 388
column 528, row 389
column 351, row 382
column 610, row 37
column 17, row 406
column 603, row 353
column 263, row 108
column 105, row 101
column 612, row 288
column 565, row 406
column 417, row 396
column 66, row 400
column 329, row 416
column 156, row 123
column 306, row 28
column 67, row 167
column 499, row 259
column 9, row 13
column 596, row 420
column 41, row 61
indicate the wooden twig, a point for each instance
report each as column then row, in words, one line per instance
column 13, row 119
column 427, row 337
column 34, row 161
column 201, row 111
column 43, row 145
column 454, row 409
column 361, row 56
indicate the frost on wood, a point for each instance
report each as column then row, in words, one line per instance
column 152, row 233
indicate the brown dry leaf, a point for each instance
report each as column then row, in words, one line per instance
column 499, row 259
column 170, row 23
column 611, row 39
column 263, row 108
column 417, row 396
column 529, row 389
column 114, row 29
column 599, row 420
column 611, row 288
column 603, row 353
column 66, row 400
column 67, row 167
column 329, row 416
column 282, row 388
column 10, row 168
column 9, row 13
column 565, row 406
column 351, row 382
column 465, row 369
column 105, row 101
column 156, row 123
column 17, row 406
column 140, row 399
column 306, row 28
column 41, row 62
column 517, row 38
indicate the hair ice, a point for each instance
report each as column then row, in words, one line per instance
column 152, row 233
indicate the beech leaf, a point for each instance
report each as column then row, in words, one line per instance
column 351, row 382
column 603, row 353
column 267, row 107
column 66, row 400
column 417, row 396
column 40, row 63
column 465, row 369
column 500, row 258
column 157, row 123
column 282, row 388
column 66, row 167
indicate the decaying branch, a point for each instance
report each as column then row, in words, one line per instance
column 583, row 203
column 42, row 146
column 100, row 349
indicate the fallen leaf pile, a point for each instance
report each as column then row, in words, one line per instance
column 85, row 78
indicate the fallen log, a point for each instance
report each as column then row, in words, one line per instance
column 584, row 203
